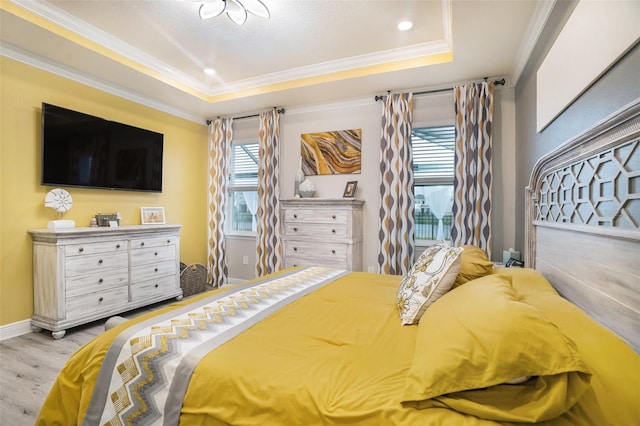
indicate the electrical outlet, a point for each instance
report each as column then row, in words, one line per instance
column 370, row 269
column 245, row 260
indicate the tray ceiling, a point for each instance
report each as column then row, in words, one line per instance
column 307, row 52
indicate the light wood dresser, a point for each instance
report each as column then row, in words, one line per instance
column 322, row 232
column 84, row 274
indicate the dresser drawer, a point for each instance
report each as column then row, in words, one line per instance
column 81, row 265
column 90, row 304
column 96, row 281
column 316, row 216
column 311, row 250
column 153, row 255
column 150, row 271
column 94, row 248
column 152, row 288
column 142, row 243
column 316, row 230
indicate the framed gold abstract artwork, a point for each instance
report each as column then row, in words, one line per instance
column 331, row 153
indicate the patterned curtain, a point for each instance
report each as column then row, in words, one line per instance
column 268, row 230
column 397, row 223
column 473, row 166
column 220, row 137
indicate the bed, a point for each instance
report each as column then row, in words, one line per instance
column 453, row 342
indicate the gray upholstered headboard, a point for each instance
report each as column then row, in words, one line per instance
column 583, row 215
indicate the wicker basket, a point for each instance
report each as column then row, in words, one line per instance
column 193, row 279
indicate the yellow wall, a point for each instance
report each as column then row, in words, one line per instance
column 22, row 91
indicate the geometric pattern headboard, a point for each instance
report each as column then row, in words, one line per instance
column 591, row 183
column 600, row 190
column 583, row 221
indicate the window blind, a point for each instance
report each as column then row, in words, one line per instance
column 433, row 154
column 243, row 170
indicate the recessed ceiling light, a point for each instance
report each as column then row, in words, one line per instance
column 405, row 25
column 209, row 71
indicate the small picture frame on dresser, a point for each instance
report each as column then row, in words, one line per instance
column 152, row 216
column 350, row 189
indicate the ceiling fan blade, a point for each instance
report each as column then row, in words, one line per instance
column 236, row 12
column 211, row 9
column 256, row 7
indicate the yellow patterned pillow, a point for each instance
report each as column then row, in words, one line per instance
column 430, row 277
column 474, row 264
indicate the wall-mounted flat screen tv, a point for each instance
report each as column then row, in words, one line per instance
column 80, row 150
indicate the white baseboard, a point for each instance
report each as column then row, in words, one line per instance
column 15, row 329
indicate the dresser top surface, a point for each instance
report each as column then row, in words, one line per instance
column 321, row 202
column 97, row 231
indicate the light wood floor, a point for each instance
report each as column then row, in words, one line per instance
column 29, row 365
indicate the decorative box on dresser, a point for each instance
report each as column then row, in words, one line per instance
column 322, row 232
column 85, row 274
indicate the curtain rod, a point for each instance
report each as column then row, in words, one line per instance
column 281, row 111
column 496, row 82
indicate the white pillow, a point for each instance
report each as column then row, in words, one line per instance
column 430, row 277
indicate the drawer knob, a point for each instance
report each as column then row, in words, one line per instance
column 142, row 243
column 333, row 252
column 156, row 253
column 101, row 299
column 168, row 241
column 117, row 246
column 333, row 230
column 100, row 281
column 156, row 286
column 80, row 249
column 295, row 229
column 295, row 249
column 156, row 270
column 333, row 216
column 295, row 216
column 100, row 261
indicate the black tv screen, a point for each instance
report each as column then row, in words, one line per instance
column 85, row 151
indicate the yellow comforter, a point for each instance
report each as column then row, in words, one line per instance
column 340, row 356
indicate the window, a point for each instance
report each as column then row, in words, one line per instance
column 433, row 168
column 242, row 202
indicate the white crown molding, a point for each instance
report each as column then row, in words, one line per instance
column 378, row 58
column 322, row 68
column 447, row 23
column 540, row 18
column 44, row 64
column 53, row 14
column 28, row 58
